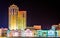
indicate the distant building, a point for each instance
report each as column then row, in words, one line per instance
column 53, row 27
column 39, row 33
column 15, row 34
column 37, row 27
column 4, row 32
column 32, row 29
column 44, row 33
column 57, row 33
column 28, row 33
column 51, row 33
column 8, row 32
column 58, row 27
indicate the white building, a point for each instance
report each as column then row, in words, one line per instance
column 51, row 33
column 28, row 33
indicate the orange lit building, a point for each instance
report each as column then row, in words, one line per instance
column 37, row 27
column 21, row 19
column 58, row 28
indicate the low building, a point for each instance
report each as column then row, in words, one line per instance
column 8, row 32
column 28, row 33
column 37, row 27
column 44, row 33
column 0, row 32
column 57, row 33
column 39, row 33
column 4, row 32
column 53, row 27
column 58, row 27
column 51, row 33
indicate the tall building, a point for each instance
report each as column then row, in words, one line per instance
column 21, row 19
column 17, row 19
column 13, row 13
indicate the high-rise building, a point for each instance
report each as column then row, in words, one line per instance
column 17, row 19
column 21, row 20
column 13, row 13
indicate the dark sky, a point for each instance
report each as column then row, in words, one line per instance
column 44, row 13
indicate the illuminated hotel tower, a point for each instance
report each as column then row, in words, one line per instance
column 21, row 19
column 17, row 19
column 13, row 13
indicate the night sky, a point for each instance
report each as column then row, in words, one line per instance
column 44, row 13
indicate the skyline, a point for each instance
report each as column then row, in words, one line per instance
column 38, row 12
